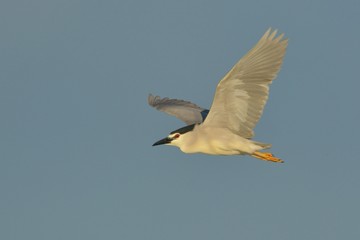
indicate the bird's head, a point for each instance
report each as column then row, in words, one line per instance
column 176, row 137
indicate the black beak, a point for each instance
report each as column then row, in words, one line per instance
column 163, row 141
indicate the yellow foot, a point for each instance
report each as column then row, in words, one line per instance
column 266, row 156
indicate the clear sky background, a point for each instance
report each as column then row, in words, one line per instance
column 76, row 160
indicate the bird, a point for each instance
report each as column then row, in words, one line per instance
column 227, row 128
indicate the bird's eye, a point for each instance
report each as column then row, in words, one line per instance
column 177, row 135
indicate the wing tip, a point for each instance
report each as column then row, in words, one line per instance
column 271, row 33
column 153, row 100
column 150, row 99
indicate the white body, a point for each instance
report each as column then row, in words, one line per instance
column 216, row 141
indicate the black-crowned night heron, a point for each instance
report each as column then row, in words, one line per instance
column 238, row 104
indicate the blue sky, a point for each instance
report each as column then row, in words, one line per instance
column 76, row 160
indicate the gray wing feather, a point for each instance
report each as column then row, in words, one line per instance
column 187, row 112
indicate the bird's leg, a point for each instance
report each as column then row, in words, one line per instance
column 266, row 156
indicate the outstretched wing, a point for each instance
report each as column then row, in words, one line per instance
column 241, row 95
column 187, row 112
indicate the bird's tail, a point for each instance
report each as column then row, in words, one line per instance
column 262, row 145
